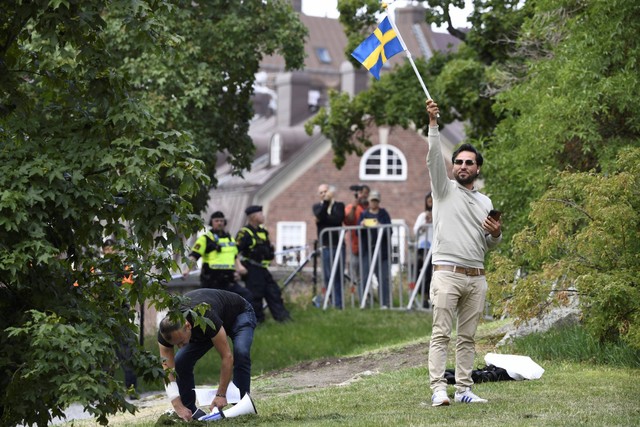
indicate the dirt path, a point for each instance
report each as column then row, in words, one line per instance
column 329, row 372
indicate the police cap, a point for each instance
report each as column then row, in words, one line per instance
column 217, row 214
column 253, row 209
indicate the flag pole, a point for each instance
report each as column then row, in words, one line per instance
column 392, row 20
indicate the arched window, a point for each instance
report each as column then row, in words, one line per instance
column 383, row 163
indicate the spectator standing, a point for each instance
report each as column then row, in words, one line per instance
column 232, row 317
column 351, row 217
column 371, row 219
column 221, row 267
column 257, row 252
column 330, row 213
column 464, row 234
column 423, row 229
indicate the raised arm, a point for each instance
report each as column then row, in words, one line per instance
column 435, row 158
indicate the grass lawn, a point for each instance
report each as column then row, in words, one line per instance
column 570, row 393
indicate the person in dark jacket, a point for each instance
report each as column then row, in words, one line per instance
column 257, row 252
column 371, row 219
column 330, row 213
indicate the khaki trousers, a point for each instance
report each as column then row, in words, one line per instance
column 454, row 293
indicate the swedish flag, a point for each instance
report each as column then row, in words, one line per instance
column 378, row 48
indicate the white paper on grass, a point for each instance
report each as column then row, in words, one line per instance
column 205, row 395
column 518, row 367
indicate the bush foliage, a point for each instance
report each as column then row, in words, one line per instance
column 584, row 239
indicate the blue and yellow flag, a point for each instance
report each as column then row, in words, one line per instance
column 378, row 48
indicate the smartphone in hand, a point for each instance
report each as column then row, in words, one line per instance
column 495, row 214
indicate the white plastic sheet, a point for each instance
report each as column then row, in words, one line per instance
column 205, row 395
column 518, row 367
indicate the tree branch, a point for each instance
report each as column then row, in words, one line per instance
column 572, row 204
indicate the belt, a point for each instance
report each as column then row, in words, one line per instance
column 469, row 271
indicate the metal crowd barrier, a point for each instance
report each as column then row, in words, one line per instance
column 379, row 262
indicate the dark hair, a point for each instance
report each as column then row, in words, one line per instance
column 471, row 148
column 426, row 206
column 216, row 214
column 108, row 242
column 363, row 186
column 168, row 326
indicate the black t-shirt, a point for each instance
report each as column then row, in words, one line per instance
column 225, row 307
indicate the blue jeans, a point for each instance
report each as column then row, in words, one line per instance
column 381, row 271
column 241, row 335
column 327, row 263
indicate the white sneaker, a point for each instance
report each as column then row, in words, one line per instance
column 467, row 396
column 440, row 398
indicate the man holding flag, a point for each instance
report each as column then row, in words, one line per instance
column 466, row 230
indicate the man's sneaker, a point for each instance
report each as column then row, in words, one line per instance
column 467, row 396
column 199, row 413
column 440, row 398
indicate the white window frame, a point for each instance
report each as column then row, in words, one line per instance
column 283, row 242
column 386, row 153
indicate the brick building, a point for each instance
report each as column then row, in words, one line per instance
column 289, row 164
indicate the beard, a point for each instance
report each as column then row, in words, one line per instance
column 469, row 179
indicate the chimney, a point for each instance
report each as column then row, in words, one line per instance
column 353, row 81
column 410, row 14
column 293, row 98
column 297, row 5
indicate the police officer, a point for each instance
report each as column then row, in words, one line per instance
column 256, row 254
column 219, row 253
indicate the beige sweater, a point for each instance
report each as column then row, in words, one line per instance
column 458, row 214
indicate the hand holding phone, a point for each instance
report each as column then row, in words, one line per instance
column 495, row 214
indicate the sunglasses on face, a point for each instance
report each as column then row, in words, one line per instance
column 461, row 162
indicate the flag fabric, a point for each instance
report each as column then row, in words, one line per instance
column 378, row 48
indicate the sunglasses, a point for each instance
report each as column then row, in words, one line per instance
column 467, row 162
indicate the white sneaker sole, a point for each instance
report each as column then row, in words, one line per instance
column 471, row 401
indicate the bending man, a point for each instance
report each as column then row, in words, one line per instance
column 232, row 317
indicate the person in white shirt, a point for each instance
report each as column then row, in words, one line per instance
column 423, row 230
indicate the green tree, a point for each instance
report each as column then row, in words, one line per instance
column 94, row 143
column 206, row 84
column 584, row 240
column 572, row 105
column 575, row 112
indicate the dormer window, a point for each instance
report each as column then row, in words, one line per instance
column 323, row 55
column 275, row 150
